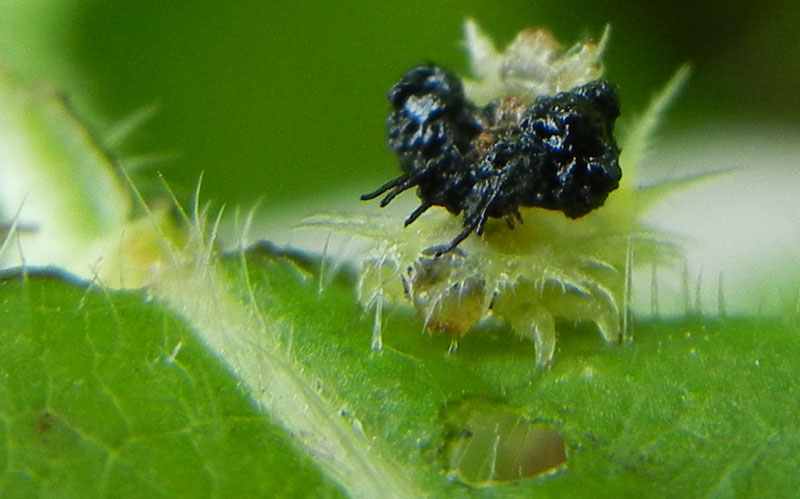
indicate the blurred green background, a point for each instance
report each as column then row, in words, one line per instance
column 284, row 100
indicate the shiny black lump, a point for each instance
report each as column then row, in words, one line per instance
column 558, row 154
column 431, row 128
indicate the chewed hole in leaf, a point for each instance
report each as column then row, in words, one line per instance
column 489, row 446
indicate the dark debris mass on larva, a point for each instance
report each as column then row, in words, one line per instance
column 558, row 153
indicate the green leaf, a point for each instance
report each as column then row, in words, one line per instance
column 109, row 394
column 694, row 407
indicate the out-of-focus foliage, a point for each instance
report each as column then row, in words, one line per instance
column 290, row 95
